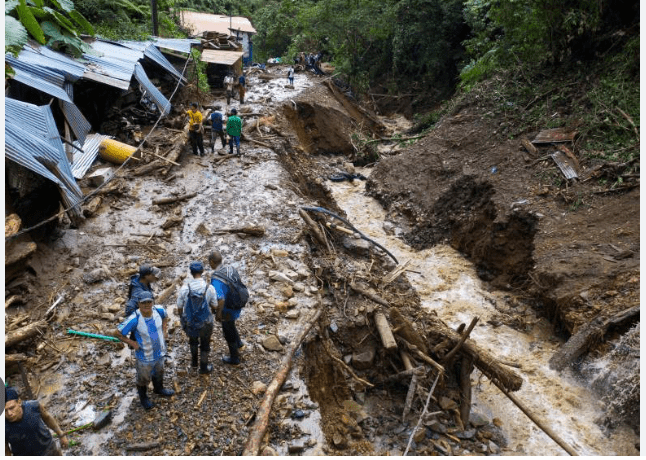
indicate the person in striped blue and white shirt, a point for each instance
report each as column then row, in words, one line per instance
column 150, row 325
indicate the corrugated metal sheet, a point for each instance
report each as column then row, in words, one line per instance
column 198, row 23
column 33, row 53
column 162, row 103
column 565, row 165
column 221, row 57
column 77, row 121
column 183, row 45
column 154, row 54
column 114, row 66
column 38, row 77
column 32, row 141
column 82, row 161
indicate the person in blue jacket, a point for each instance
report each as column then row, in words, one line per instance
column 217, row 127
column 141, row 282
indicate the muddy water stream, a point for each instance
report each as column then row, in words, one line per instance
column 448, row 284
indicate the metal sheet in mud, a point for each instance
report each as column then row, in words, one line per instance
column 32, row 140
column 82, row 161
column 162, row 103
column 565, row 164
column 554, row 136
column 221, row 57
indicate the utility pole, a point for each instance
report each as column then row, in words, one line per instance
column 153, row 10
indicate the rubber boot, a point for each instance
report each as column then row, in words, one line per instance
column 235, row 354
column 158, row 386
column 143, row 397
column 193, row 355
column 205, row 367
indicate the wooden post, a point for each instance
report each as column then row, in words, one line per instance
column 466, row 367
column 387, row 338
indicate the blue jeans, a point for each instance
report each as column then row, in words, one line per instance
column 291, row 80
column 234, row 140
column 146, row 371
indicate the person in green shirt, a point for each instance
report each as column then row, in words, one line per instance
column 234, row 130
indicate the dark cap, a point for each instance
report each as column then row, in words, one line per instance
column 196, row 267
column 10, row 394
column 193, row 104
column 148, row 269
column 144, row 296
column 234, row 111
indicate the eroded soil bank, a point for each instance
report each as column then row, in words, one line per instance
column 326, row 405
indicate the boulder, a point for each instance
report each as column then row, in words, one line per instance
column 271, row 343
column 477, row 419
column 364, row 359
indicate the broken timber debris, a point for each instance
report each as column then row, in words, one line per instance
column 12, row 338
column 386, row 334
column 553, row 136
column 593, row 332
column 259, row 427
column 175, row 199
column 253, row 230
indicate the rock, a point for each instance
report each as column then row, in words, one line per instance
column 447, row 404
column 258, row 387
column 298, row 287
column 298, row 414
column 497, row 422
column 357, row 245
column 269, row 451
column 339, row 441
column 102, row 420
column 287, row 386
column 388, row 227
column 334, row 327
column 278, row 276
column 202, row 230
column 96, row 275
column 481, row 448
column 467, row 434
column 296, row 447
column 291, row 303
column 271, row 186
column 364, row 359
column 419, row 435
column 477, row 419
column 287, row 291
column 349, row 167
column 292, row 314
column 271, row 343
column 360, row 397
column 436, row 426
column 76, row 261
column 493, row 447
column 347, row 359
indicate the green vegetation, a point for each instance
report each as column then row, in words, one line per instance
column 54, row 23
column 197, row 72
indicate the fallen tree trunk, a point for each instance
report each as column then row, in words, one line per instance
column 174, row 199
column 257, row 230
column 587, row 336
column 485, row 362
column 12, row 338
column 257, row 431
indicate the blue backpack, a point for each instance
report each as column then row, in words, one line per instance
column 196, row 313
column 237, row 294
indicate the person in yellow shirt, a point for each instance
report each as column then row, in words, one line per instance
column 195, row 129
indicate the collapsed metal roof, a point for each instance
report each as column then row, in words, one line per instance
column 149, row 89
column 83, row 159
column 32, row 140
column 183, row 45
column 39, row 77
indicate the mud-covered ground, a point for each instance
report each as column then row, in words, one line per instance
column 322, row 408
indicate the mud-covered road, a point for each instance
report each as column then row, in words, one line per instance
column 79, row 378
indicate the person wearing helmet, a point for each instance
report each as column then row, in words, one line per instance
column 234, row 130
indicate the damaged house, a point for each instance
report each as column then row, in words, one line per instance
column 55, row 108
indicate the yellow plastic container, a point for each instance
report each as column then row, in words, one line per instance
column 115, row 151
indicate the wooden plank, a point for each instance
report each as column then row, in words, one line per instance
column 386, row 334
column 553, row 136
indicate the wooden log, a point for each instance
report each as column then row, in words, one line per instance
column 143, row 446
column 161, row 298
column 314, row 229
column 171, row 222
column 25, row 381
column 15, row 358
column 464, row 337
column 146, row 169
column 259, row 427
column 406, row 359
column 11, row 300
column 201, row 400
column 267, row 76
column 406, row 330
column 254, row 230
column 466, row 367
column 587, row 336
column 424, row 357
column 387, row 338
column 370, row 295
column 534, row 418
column 529, row 146
column 175, row 199
column 409, row 396
column 438, row 331
column 393, row 275
column 12, row 338
column 419, row 370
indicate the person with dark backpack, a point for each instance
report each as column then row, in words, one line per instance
column 232, row 298
column 196, row 303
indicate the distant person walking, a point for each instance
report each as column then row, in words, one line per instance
column 217, row 128
column 234, row 130
column 228, row 86
column 26, row 428
column 150, row 325
column 242, row 87
column 195, row 129
column 195, row 304
column 290, row 75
